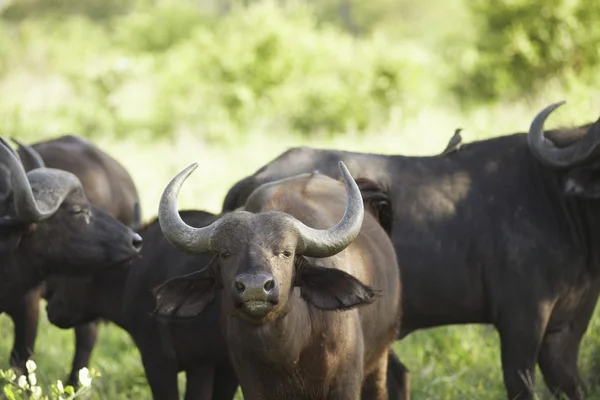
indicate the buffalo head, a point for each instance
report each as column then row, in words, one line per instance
column 51, row 224
column 260, row 258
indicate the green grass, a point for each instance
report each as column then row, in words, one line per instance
column 460, row 362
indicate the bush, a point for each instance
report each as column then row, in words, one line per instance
column 170, row 68
column 522, row 45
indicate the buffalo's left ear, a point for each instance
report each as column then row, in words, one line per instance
column 186, row 296
column 583, row 182
column 330, row 288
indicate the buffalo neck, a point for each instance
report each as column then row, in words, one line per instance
column 577, row 218
column 276, row 343
column 283, row 358
column 109, row 290
column 20, row 272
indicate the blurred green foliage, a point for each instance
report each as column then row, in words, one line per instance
column 170, row 67
column 224, row 68
column 523, row 44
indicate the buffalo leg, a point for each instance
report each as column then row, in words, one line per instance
column 520, row 339
column 161, row 371
column 398, row 378
column 374, row 385
column 199, row 383
column 559, row 354
column 85, row 340
column 350, row 375
column 558, row 363
column 24, row 314
column 225, row 383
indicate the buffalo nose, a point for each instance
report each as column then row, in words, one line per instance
column 256, row 287
column 136, row 241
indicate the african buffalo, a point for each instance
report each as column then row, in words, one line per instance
column 500, row 232
column 124, row 297
column 109, row 187
column 47, row 226
column 106, row 182
column 279, row 272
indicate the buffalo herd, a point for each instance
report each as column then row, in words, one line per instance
column 317, row 263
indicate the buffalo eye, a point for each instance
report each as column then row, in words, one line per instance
column 284, row 253
column 76, row 209
column 224, row 255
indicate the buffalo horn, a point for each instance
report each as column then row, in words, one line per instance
column 328, row 242
column 26, row 207
column 33, row 156
column 8, row 146
column 546, row 151
column 180, row 234
column 312, row 242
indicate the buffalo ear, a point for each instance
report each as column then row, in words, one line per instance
column 377, row 202
column 186, row 296
column 330, row 288
column 583, row 182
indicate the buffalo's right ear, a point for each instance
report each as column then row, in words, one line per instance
column 186, row 296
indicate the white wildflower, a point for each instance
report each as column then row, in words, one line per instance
column 84, row 377
column 32, row 379
column 22, row 381
column 36, row 392
column 59, row 386
column 30, row 365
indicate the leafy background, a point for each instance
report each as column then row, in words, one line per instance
column 160, row 84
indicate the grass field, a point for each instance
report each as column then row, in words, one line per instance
column 446, row 363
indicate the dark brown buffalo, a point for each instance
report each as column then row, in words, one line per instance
column 110, row 188
column 124, row 297
column 500, row 232
column 106, row 182
column 47, row 226
column 291, row 288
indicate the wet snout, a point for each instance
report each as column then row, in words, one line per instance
column 128, row 247
column 255, row 294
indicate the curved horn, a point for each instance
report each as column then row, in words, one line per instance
column 5, row 142
column 328, row 242
column 34, row 158
column 546, row 152
column 136, row 222
column 180, row 234
column 26, row 207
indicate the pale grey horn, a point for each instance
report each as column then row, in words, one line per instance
column 26, row 207
column 180, row 234
column 328, row 242
column 34, row 158
column 136, row 222
column 5, row 142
